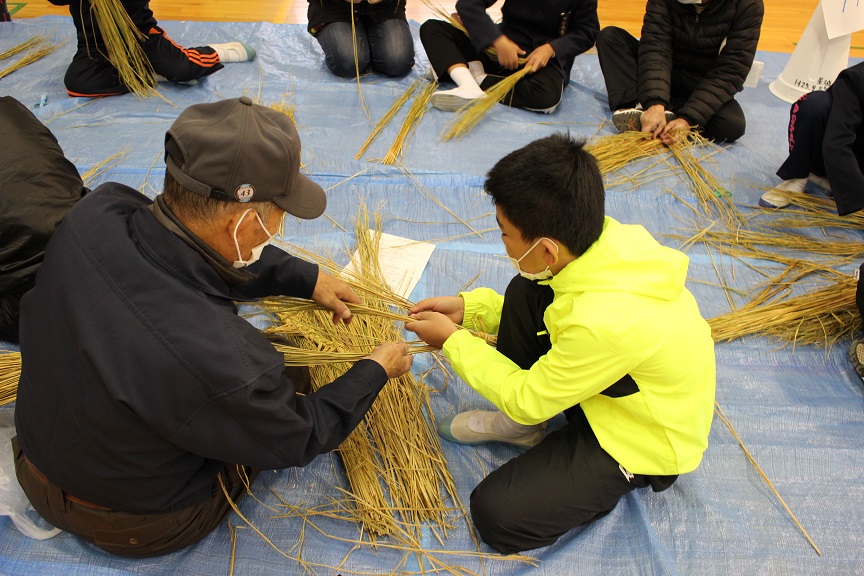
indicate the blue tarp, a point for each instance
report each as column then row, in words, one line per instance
column 800, row 412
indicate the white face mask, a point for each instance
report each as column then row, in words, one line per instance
column 543, row 274
column 256, row 251
column 690, row 1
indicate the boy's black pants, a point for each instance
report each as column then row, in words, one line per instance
column 618, row 52
column 446, row 45
column 567, row 480
column 808, row 118
column 91, row 74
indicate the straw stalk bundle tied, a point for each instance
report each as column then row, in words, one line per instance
column 618, row 150
column 123, row 42
column 393, row 460
column 10, row 372
column 471, row 114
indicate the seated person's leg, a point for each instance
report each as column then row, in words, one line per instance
column 338, row 45
column 540, row 91
column 807, row 120
column 727, row 124
column 445, row 47
column 92, row 76
column 178, row 64
column 10, row 312
column 391, row 47
column 618, row 52
column 566, row 481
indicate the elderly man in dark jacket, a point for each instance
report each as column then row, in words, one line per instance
column 692, row 59
column 144, row 398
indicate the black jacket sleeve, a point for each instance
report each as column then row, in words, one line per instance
column 280, row 274
column 843, row 131
column 655, row 55
column 582, row 29
column 482, row 30
column 730, row 70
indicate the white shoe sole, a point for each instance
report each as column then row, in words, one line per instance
column 450, row 102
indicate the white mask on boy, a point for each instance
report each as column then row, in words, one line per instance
column 543, row 274
column 256, row 251
column 690, row 1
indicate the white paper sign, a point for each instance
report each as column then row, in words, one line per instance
column 843, row 17
column 402, row 262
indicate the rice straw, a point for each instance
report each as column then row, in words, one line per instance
column 409, row 125
column 470, row 115
column 10, row 372
column 123, row 43
column 388, row 116
column 39, row 51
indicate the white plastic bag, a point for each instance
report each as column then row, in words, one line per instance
column 13, row 501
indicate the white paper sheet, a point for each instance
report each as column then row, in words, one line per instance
column 402, row 262
column 843, row 17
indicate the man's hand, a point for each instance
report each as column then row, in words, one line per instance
column 540, row 57
column 432, row 327
column 508, row 52
column 332, row 293
column 393, row 357
column 674, row 130
column 654, row 120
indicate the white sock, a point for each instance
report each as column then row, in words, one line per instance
column 463, row 78
column 477, row 70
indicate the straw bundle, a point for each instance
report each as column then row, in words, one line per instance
column 616, row 151
column 471, row 114
column 286, row 108
column 821, row 317
column 100, row 167
column 393, row 460
column 35, row 52
column 23, row 47
column 123, row 42
column 10, row 372
column 409, row 125
column 385, row 120
column 357, row 64
column 841, row 252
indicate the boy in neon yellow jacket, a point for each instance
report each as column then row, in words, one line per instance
column 599, row 325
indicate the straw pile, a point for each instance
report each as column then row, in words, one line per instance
column 393, row 460
column 36, row 47
column 10, row 372
column 471, row 114
column 616, row 151
column 815, row 211
column 821, row 317
column 123, row 42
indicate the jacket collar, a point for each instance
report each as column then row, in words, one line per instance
column 169, row 244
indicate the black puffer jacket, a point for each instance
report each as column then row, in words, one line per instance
column 677, row 41
column 322, row 12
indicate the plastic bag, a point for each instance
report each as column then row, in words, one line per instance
column 13, row 501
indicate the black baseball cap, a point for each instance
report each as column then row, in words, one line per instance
column 237, row 151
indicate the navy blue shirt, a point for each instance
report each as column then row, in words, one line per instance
column 139, row 381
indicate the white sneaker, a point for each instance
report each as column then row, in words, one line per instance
column 456, row 98
column 478, row 427
column 234, row 52
column 776, row 197
column 820, row 181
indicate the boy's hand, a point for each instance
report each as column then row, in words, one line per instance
column 451, row 306
column 508, row 52
column 332, row 293
column 674, row 130
column 539, row 57
column 433, row 328
column 393, row 357
column 653, row 120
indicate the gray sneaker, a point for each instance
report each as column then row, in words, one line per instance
column 630, row 119
column 477, row 427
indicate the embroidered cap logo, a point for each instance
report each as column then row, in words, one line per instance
column 244, row 192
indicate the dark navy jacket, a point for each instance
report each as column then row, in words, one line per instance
column 843, row 144
column 139, row 380
column 569, row 26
